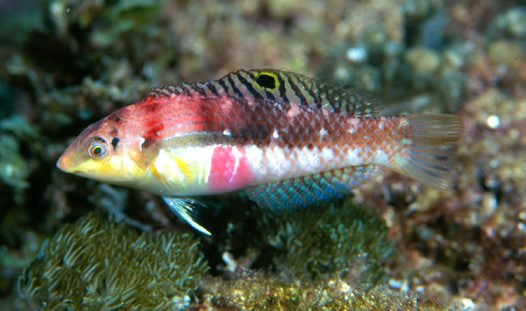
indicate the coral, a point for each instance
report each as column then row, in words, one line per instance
column 97, row 264
column 259, row 292
column 338, row 240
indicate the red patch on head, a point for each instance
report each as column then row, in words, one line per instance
column 153, row 128
column 229, row 170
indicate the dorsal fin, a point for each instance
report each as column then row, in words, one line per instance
column 169, row 90
column 310, row 190
column 272, row 84
column 277, row 85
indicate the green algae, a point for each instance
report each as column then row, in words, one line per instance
column 97, row 264
column 340, row 240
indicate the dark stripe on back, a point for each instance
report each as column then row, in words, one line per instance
column 212, row 88
column 281, row 88
column 297, row 92
column 249, row 87
column 309, row 90
column 198, row 89
column 270, row 96
column 185, row 90
column 234, row 87
column 223, row 85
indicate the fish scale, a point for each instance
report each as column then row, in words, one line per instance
column 286, row 140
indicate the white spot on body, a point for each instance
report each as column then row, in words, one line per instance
column 353, row 157
column 381, row 157
column 323, row 132
column 254, row 155
column 327, row 154
column 381, row 124
column 141, row 141
column 307, row 160
column 293, row 111
column 276, row 163
column 275, row 134
column 227, row 133
column 277, row 160
column 226, row 105
column 354, row 123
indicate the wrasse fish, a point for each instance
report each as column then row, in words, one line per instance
column 284, row 139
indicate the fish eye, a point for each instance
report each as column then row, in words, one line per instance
column 97, row 150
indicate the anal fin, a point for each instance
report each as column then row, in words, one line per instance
column 187, row 210
column 311, row 190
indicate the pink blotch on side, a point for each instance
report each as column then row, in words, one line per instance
column 230, row 170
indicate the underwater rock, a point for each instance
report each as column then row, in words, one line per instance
column 423, row 61
column 513, row 22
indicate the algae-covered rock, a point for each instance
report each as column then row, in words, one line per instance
column 260, row 292
column 339, row 240
column 101, row 265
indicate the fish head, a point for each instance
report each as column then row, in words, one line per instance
column 106, row 152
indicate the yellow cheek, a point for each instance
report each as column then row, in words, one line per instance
column 112, row 169
column 91, row 166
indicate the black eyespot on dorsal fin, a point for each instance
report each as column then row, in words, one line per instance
column 266, row 80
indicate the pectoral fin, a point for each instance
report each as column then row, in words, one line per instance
column 187, row 210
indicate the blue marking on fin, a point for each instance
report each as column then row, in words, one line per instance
column 187, row 209
column 310, row 190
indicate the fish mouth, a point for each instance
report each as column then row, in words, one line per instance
column 64, row 164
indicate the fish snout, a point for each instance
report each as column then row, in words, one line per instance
column 64, row 163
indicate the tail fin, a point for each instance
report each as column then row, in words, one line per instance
column 432, row 140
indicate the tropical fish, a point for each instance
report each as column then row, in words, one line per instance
column 282, row 138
